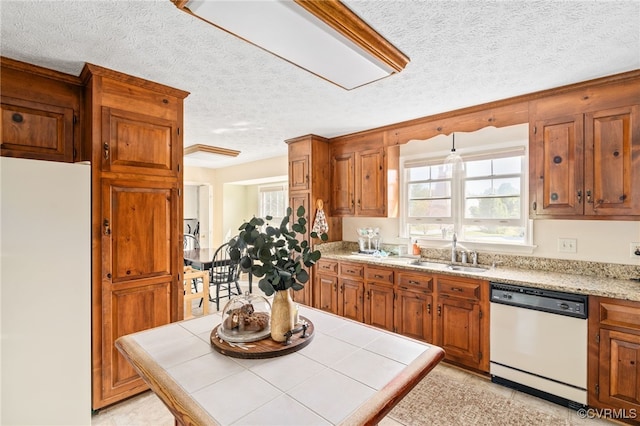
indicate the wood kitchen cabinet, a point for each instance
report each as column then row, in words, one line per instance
column 309, row 181
column 378, row 305
column 41, row 112
column 414, row 305
column 585, row 155
column 364, row 178
column 462, row 321
column 614, row 354
column 136, row 218
column 351, row 291
column 326, row 285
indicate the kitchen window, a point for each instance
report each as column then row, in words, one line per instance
column 273, row 202
column 484, row 204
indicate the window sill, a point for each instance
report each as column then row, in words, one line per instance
column 479, row 247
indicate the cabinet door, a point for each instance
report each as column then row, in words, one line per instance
column 619, row 373
column 299, row 173
column 296, row 200
column 327, row 291
column 350, row 299
column 343, row 184
column 413, row 317
column 378, row 306
column 137, row 143
column 139, row 276
column 557, row 158
column 458, row 330
column 612, row 173
column 370, row 183
column 37, row 131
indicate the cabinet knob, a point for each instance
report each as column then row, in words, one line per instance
column 17, row 117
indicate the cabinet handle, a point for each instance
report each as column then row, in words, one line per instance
column 368, row 294
column 352, row 203
column 589, row 200
column 414, row 282
column 378, row 276
column 456, row 289
column 429, row 308
column 579, row 197
column 107, row 229
column 106, row 150
column 439, row 311
column 342, row 288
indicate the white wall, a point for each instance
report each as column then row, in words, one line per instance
column 45, row 293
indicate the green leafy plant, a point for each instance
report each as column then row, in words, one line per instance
column 276, row 255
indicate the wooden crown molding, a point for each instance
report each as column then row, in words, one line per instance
column 210, row 150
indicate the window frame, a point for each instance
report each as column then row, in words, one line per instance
column 273, row 187
column 458, row 207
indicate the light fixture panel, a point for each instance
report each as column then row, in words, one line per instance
column 288, row 31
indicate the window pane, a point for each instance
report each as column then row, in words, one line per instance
column 480, row 187
column 494, row 233
column 429, row 190
column 430, row 230
column 418, row 173
column 429, row 208
column 506, row 166
column 492, row 208
column 478, row 168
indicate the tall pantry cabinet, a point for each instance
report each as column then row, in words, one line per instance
column 134, row 128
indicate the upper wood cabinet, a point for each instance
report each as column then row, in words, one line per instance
column 41, row 111
column 586, row 164
column 364, row 178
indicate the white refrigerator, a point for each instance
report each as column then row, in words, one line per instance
column 45, row 293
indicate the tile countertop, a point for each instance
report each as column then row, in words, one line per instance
column 625, row 289
column 349, row 374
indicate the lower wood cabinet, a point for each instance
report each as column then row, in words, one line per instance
column 461, row 324
column 448, row 311
column 413, row 314
column 614, row 355
column 378, row 305
column 378, row 309
column 413, row 306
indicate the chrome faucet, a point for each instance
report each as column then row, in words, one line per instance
column 454, row 243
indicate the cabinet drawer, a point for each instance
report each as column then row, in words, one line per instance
column 352, row 270
column 326, row 266
column 380, row 275
column 620, row 314
column 415, row 282
column 457, row 288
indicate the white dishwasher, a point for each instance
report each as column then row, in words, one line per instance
column 539, row 342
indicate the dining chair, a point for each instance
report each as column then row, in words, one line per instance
column 224, row 275
column 191, row 242
column 193, row 277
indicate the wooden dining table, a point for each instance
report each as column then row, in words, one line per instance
column 202, row 258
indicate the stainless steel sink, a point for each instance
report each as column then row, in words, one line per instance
column 466, row 268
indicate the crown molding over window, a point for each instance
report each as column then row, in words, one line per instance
column 329, row 40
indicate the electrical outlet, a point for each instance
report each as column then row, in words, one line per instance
column 567, row 245
column 634, row 250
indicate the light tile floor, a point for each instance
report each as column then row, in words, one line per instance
column 147, row 409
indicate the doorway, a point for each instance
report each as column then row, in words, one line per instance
column 198, row 211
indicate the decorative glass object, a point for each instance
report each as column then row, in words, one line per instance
column 245, row 318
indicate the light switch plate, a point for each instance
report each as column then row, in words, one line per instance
column 633, row 248
column 567, row 245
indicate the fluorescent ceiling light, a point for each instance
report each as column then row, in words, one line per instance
column 207, row 149
column 323, row 37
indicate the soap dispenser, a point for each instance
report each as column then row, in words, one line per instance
column 416, row 248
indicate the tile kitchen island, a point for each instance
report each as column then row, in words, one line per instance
column 349, row 374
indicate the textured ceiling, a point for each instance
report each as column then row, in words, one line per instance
column 462, row 53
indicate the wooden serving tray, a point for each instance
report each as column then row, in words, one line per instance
column 265, row 348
